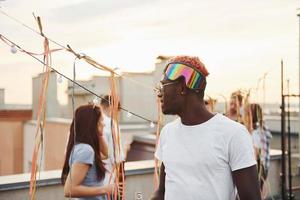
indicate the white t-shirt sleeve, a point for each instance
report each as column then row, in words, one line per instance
column 240, row 150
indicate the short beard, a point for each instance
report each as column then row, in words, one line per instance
column 170, row 112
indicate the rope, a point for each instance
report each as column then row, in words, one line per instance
column 159, row 123
column 114, row 105
column 40, row 117
column 247, row 117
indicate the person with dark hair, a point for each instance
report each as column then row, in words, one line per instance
column 83, row 171
column 203, row 156
column 261, row 136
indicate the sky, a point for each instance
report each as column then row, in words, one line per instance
column 238, row 41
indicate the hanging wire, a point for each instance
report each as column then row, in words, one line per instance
column 69, row 49
column 95, row 64
column 28, row 27
column 74, row 82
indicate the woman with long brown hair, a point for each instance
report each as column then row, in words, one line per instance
column 83, row 170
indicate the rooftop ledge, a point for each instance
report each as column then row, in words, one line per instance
column 46, row 178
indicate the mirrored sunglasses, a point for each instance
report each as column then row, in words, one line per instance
column 193, row 79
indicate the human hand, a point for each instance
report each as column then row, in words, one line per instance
column 109, row 188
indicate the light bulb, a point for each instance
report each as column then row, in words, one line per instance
column 60, row 79
column 13, row 49
column 152, row 125
column 95, row 101
column 129, row 114
column 118, row 71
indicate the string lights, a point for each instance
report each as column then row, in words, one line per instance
column 95, row 101
column 116, row 71
column 13, row 49
column 92, row 62
column 129, row 114
column 152, row 125
column 60, row 79
column 17, row 47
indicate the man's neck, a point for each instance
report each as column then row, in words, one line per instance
column 195, row 114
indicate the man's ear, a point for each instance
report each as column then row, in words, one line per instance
column 183, row 88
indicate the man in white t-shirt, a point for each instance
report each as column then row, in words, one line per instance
column 107, row 132
column 204, row 156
